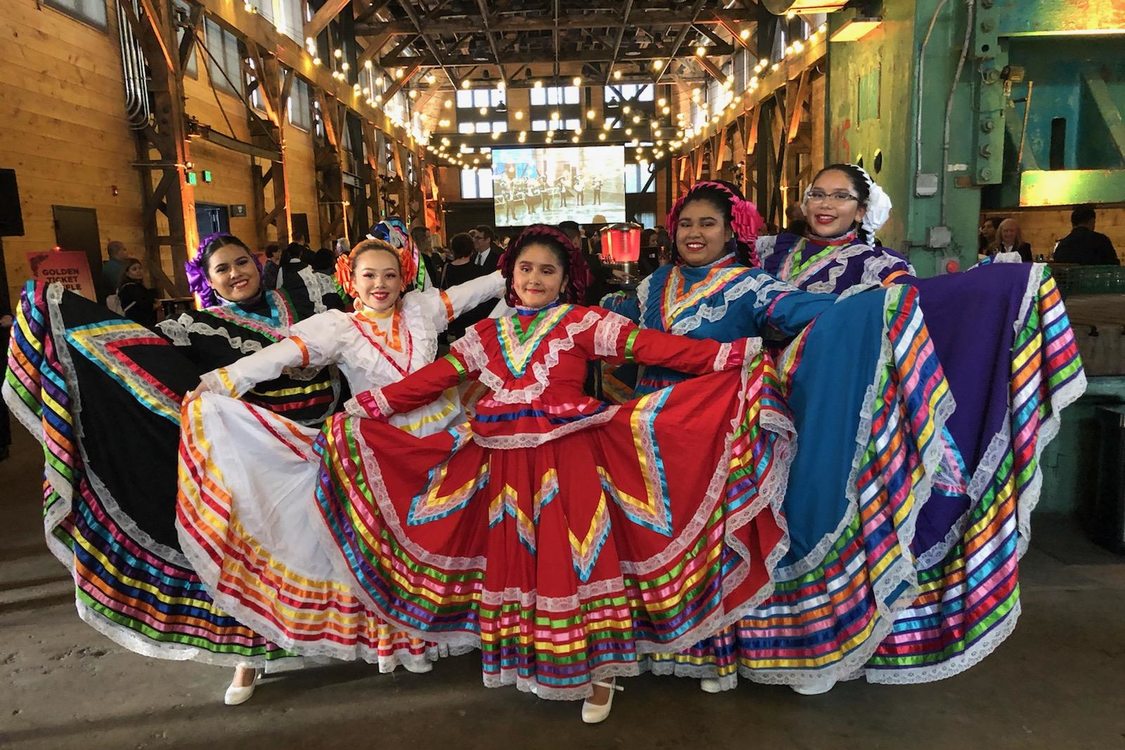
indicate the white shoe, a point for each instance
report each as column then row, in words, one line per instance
column 593, row 713
column 815, row 687
column 418, row 667
column 237, row 695
column 711, row 685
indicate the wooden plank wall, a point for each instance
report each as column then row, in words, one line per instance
column 63, row 129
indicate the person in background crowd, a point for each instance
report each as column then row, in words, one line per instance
column 663, row 241
column 988, row 229
column 292, row 261
column 324, row 261
column 1009, row 239
column 424, row 241
column 138, row 302
column 272, row 264
column 600, row 273
column 459, row 271
column 488, row 252
column 795, row 219
column 112, row 269
column 650, row 252
column 1083, row 245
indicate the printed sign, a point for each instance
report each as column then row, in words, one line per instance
column 68, row 267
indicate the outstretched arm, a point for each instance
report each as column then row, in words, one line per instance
column 782, row 307
column 617, row 338
column 416, row 389
column 442, row 306
column 312, row 343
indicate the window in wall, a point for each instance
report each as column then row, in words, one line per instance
column 285, row 15
column 476, row 183
column 90, row 11
column 289, row 19
column 192, row 68
column 552, row 95
column 636, row 175
column 223, row 47
column 481, row 111
column 476, row 98
column 298, row 105
column 641, row 92
column 257, row 100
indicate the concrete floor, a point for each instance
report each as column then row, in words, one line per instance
column 1058, row 682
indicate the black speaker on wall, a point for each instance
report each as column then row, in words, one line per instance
column 11, row 217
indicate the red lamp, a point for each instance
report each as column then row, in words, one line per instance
column 621, row 245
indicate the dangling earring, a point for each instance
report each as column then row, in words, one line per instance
column 357, row 305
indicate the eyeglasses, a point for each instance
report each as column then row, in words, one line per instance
column 833, row 199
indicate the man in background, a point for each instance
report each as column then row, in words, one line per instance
column 488, row 252
column 112, row 269
column 1083, row 245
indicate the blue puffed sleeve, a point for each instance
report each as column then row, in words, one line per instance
column 623, row 304
column 782, row 307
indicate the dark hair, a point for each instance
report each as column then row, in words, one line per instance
column 461, row 245
column 486, row 231
column 855, row 177
column 995, row 221
column 569, row 227
column 271, row 249
column 1082, row 214
column 323, row 260
column 127, row 263
column 418, row 233
column 721, row 201
column 570, row 259
column 859, row 185
column 215, row 244
column 292, row 252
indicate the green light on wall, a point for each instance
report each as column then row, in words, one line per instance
column 207, row 176
column 192, row 179
column 1065, row 187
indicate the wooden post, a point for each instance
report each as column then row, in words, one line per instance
column 173, row 195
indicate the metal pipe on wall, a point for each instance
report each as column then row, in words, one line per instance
column 137, row 108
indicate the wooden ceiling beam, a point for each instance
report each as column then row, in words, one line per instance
column 640, row 19
column 617, row 42
column 628, row 55
column 324, row 16
column 696, row 10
